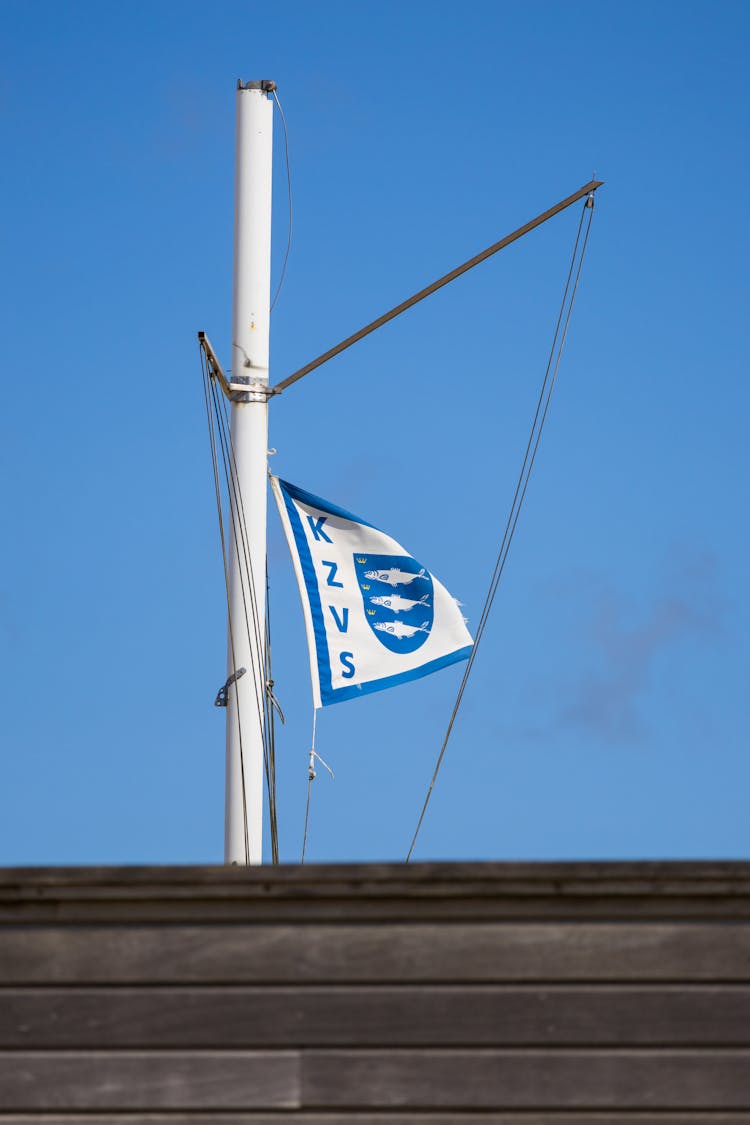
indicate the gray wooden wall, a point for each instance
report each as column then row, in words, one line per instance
column 595, row 994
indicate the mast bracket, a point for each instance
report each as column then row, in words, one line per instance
column 243, row 388
column 240, row 388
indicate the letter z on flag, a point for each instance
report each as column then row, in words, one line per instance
column 374, row 616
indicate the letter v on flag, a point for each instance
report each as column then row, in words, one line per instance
column 374, row 616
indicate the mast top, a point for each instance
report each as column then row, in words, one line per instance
column 267, row 85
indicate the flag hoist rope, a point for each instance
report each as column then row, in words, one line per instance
column 311, row 775
column 540, row 416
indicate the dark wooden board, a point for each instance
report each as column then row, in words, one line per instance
column 449, row 952
column 486, row 1117
column 528, row 1079
column 379, row 1016
column 379, row 891
column 70, row 1080
column 354, row 878
column 351, row 1080
column 399, row 1117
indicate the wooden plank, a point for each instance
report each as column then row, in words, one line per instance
column 385, row 891
column 527, row 1079
column 518, row 1117
column 376, row 1016
column 452, row 952
column 357, row 876
column 133, row 1080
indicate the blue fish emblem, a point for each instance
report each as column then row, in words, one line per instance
column 401, row 623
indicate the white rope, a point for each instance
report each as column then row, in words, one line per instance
column 310, row 779
column 311, row 775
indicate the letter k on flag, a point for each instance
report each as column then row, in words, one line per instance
column 374, row 616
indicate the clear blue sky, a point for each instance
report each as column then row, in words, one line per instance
column 608, row 715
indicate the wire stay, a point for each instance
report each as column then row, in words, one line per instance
column 289, row 196
column 540, row 417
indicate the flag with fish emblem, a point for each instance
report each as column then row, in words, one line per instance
column 374, row 616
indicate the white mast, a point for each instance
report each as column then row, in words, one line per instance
column 249, row 426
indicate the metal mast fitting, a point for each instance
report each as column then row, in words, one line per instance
column 240, row 388
column 266, row 85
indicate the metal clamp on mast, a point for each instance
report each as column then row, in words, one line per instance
column 240, row 388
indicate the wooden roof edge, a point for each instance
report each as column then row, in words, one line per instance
column 395, row 890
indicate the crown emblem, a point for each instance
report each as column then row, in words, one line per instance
column 367, row 587
column 361, row 560
column 371, row 613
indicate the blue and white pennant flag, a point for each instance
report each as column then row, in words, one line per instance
column 374, row 616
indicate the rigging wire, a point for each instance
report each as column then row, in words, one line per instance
column 242, row 540
column 222, row 535
column 235, row 672
column 236, row 492
column 248, row 593
column 271, row 706
column 540, row 417
column 264, row 702
column 239, row 537
column 289, row 193
column 219, row 428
